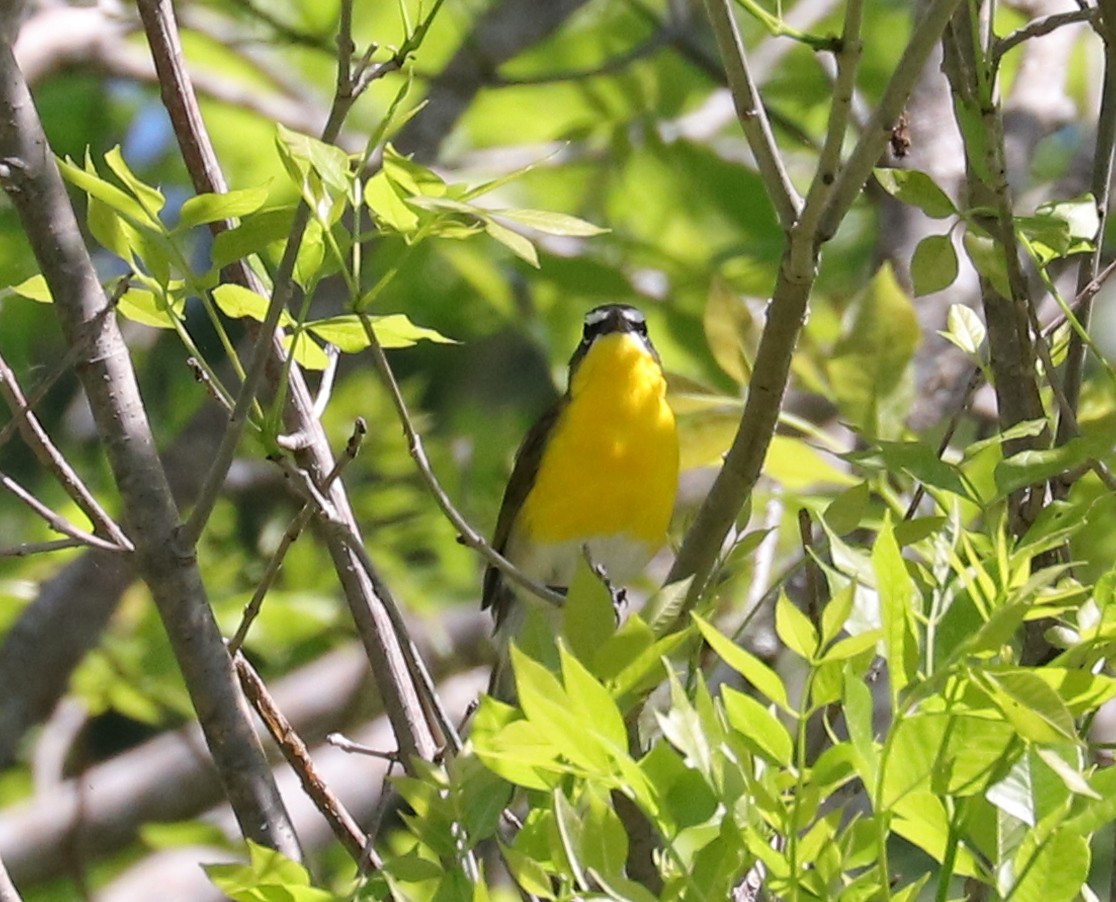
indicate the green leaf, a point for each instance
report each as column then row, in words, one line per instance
column 269, row 877
column 757, row 727
column 304, row 154
column 600, row 717
column 795, row 628
column 921, row 819
column 869, row 367
column 859, row 708
column 551, row 223
column 682, row 795
column 1031, row 467
column 1079, row 214
column 515, row 242
column 151, row 199
column 93, row 185
column 205, row 208
column 750, row 667
column 411, row 177
column 307, row 353
column 394, row 330
column 237, row 301
column 1029, row 704
column 149, row 308
column 588, row 617
column 965, row 329
column 730, row 332
column 252, row 236
column 389, row 207
column 988, row 259
column 550, row 709
column 844, row 513
column 34, row 289
column 934, row 265
column 1050, row 868
column 632, row 660
column 920, row 460
column 896, row 593
column 917, row 189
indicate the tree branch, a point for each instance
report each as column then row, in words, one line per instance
column 373, row 622
column 35, row 187
column 797, row 272
column 750, row 112
column 51, row 458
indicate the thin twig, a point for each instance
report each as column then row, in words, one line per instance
column 342, row 824
column 469, row 536
column 29, row 548
column 813, row 577
column 56, row 521
column 877, row 131
column 51, row 458
column 202, row 377
column 1087, row 275
column 749, row 110
column 369, row 610
column 698, row 554
column 1037, row 28
column 290, row 536
column 355, row 748
column 341, row 529
column 38, row 195
column 47, row 383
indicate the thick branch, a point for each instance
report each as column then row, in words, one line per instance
column 797, row 272
column 35, row 187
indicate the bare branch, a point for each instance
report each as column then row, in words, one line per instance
column 749, row 110
column 56, row 521
column 1088, row 278
column 373, row 621
column 1038, row 28
column 797, row 272
column 298, row 757
column 38, row 195
column 51, row 458
column 290, row 536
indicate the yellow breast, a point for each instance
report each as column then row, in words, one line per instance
column 611, row 464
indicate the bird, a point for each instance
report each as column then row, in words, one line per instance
column 596, row 476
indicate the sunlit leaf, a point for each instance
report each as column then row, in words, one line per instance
column 205, row 208
column 934, row 265
column 918, row 189
column 550, row 223
column 745, row 663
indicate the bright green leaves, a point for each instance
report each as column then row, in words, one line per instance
column 269, row 876
column 206, row 208
column 917, row 189
column 1057, row 229
column 869, row 366
column 896, row 595
column 1060, row 229
column 408, row 199
column 934, row 264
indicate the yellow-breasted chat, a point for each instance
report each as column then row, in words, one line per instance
column 596, row 475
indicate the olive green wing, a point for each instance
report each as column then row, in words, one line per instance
column 497, row 593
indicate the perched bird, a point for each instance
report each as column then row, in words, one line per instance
column 596, row 475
